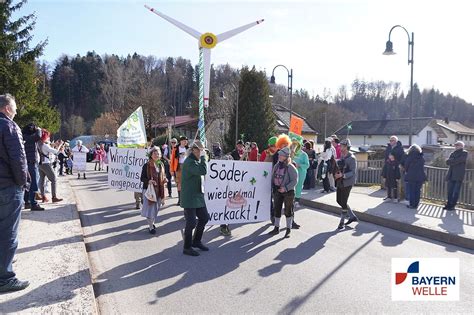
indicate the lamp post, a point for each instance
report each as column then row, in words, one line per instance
column 222, row 95
column 290, row 88
column 389, row 51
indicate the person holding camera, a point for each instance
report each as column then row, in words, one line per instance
column 46, row 153
column 345, row 177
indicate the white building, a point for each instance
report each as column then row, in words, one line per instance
column 378, row 132
column 454, row 131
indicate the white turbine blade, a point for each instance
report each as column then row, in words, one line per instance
column 180, row 25
column 206, row 54
column 231, row 33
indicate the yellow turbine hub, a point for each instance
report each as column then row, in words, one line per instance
column 208, row 40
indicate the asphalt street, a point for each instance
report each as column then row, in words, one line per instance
column 318, row 269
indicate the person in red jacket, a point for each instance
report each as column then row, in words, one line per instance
column 253, row 155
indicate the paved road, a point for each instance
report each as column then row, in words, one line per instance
column 316, row 270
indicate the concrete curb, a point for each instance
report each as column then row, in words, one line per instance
column 84, row 249
column 397, row 225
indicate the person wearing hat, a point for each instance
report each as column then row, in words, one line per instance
column 192, row 199
column 153, row 173
column 345, row 176
column 267, row 155
column 284, row 180
column 457, row 169
column 179, row 156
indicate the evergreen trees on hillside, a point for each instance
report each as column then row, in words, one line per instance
column 19, row 73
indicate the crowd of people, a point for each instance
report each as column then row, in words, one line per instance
column 296, row 167
column 28, row 158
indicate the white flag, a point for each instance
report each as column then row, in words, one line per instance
column 132, row 134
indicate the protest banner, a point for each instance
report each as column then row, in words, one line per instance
column 79, row 161
column 296, row 125
column 125, row 168
column 238, row 191
column 132, row 134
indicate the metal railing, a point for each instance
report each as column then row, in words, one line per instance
column 435, row 187
column 369, row 172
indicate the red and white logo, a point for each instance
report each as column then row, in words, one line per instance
column 425, row 279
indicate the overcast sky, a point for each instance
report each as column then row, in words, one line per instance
column 327, row 43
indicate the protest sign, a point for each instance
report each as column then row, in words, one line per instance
column 132, row 134
column 79, row 161
column 238, row 191
column 296, row 125
column 125, row 168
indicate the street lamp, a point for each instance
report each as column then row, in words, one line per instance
column 222, row 95
column 389, row 51
column 290, row 87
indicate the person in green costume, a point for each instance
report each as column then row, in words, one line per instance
column 301, row 161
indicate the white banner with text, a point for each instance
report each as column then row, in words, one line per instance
column 238, row 191
column 125, row 168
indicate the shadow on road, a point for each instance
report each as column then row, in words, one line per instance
column 299, row 301
column 55, row 293
column 299, row 254
column 224, row 257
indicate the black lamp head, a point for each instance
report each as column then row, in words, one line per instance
column 389, row 48
column 272, row 79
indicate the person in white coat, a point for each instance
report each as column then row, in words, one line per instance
column 82, row 149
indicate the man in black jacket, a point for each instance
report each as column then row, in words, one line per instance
column 394, row 147
column 13, row 179
column 31, row 135
column 457, row 168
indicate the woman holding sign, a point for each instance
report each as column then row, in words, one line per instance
column 153, row 173
column 284, row 180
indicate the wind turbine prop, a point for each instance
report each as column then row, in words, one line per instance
column 206, row 41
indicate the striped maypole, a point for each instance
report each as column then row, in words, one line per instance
column 201, row 125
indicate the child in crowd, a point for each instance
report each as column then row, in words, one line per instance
column 391, row 174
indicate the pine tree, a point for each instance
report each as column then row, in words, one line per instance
column 256, row 117
column 19, row 75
